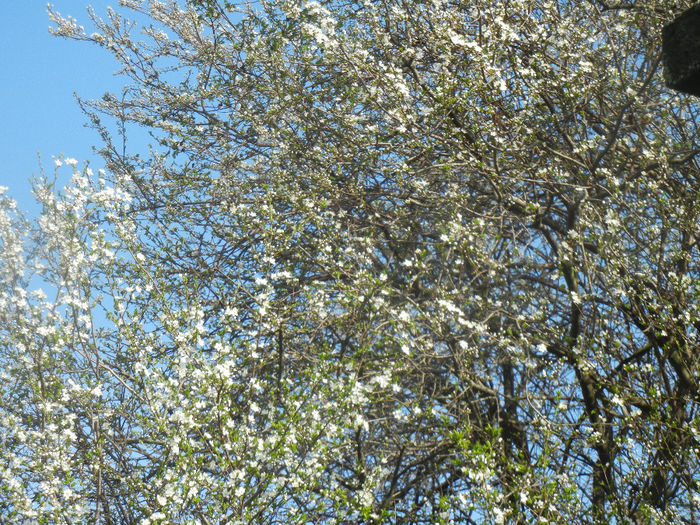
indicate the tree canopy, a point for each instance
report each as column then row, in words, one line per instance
column 412, row 261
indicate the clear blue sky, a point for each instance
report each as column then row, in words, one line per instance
column 40, row 74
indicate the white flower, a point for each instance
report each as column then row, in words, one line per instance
column 383, row 380
column 39, row 294
column 230, row 311
column 459, row 40
column 361, row 423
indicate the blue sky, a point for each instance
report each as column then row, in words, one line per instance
column 41, row 73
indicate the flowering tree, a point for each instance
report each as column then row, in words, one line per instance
column 386, row 262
